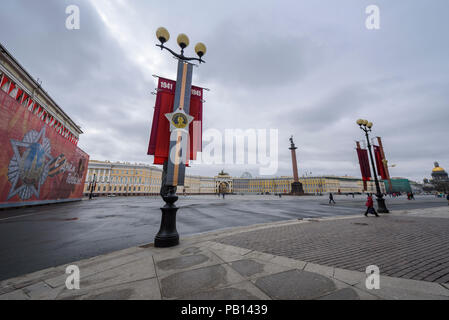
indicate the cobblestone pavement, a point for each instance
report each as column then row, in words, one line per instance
column 401, row 246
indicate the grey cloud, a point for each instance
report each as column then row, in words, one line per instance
column 306, row 68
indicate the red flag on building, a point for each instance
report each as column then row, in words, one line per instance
column 3, row 82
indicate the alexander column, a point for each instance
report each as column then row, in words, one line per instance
column 296, row 185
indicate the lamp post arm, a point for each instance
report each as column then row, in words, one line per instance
column 180, row 56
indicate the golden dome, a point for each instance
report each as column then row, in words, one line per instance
column 437, row 169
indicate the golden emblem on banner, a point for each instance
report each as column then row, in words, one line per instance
column 180, row 120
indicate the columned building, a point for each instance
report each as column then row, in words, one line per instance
column 128, row 179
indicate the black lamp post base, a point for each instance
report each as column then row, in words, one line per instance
column 166, row 241
column 168, row 235
column 381, row 207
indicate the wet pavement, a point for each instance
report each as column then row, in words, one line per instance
column 41, row 237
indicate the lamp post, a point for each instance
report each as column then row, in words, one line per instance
column 174, row 168
column 366, row 126
column 93, row 185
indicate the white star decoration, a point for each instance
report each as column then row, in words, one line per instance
column 17, row 167
column 179, row 114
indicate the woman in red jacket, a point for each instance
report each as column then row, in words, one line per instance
column 370, row 206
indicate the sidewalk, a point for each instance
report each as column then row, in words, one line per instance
column 209, row 267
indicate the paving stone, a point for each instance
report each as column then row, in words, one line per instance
column 187, row 282
column 390, row 293
column 41, row 291
column 260, row 256
column 135, row 271
column 31, row 278
column 293, row 263
column 191, row 250
column 413, row 285
column 348, row 276
column 342, row 294
column 182, row 262
column 241, row 291
column 173, row 264
column 247, row 268
column 323, row 270
column 142, row 290
column 253, row 268
column 295, row 285
column 15, row 295
column 92, row 266
column 4, row 288
column 230, row 249
column 227, row 256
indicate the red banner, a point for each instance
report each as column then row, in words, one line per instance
column 160, row 131
column 379, row 163
column 37, row 165
column 364, row 164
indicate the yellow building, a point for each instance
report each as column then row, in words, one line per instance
column 123, row 178
column 128, row 179
column 311, row 185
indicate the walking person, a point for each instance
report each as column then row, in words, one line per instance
column 447, row 198
column 370, row 206
column 331, row 198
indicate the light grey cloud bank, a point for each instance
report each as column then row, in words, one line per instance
column 307, row 68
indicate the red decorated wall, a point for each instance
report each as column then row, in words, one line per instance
column 37, row 164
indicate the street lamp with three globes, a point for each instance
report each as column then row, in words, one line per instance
column 366, row 126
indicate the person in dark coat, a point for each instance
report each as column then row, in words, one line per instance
column 447, row 198
column 370, row 206
column 331, row 198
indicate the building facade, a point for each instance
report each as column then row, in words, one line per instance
column 127, row 179
column 311, row 185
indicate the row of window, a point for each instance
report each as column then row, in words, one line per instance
column 105, row 172
column 126, row 180
column 126, row 189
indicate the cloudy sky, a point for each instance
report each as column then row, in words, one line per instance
column 307, row 68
